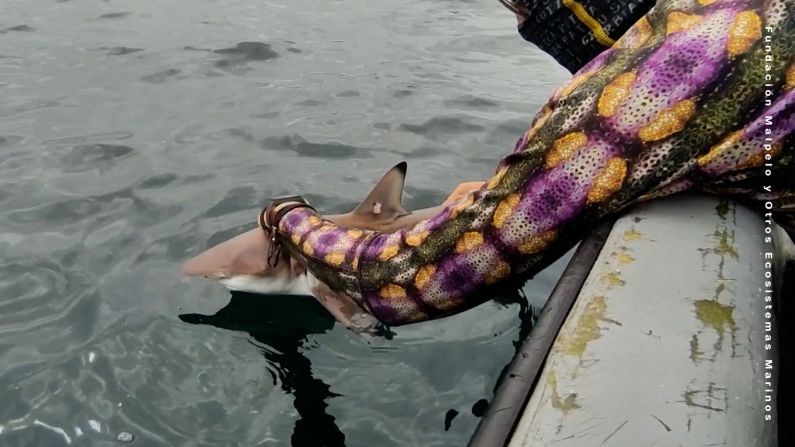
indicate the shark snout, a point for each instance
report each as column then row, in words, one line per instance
column 245, row 254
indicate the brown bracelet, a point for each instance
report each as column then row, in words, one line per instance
column 269, row 222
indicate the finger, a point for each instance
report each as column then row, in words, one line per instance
column 296, row 267
column 461, row 191
column 282, row 264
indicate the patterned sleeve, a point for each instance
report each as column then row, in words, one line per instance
column 673, row 104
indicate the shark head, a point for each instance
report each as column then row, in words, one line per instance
column 240, row 263
column 244, row 254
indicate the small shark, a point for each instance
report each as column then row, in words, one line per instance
column 241, row 263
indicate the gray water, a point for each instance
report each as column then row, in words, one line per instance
column 134, row 134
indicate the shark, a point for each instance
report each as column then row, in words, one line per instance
column 240, row 263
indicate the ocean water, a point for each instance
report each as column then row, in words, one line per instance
column 134, row 134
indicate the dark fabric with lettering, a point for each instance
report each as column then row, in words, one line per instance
column 554, row 28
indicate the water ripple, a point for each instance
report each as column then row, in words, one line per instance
column 235, row 59
column 119, row 51
column 440, row 127
column 94, row 156
column 18, row 28
column 326, row 150
column 161, row 76
column 114, row 15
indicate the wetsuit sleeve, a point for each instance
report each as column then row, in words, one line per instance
column 675, row 103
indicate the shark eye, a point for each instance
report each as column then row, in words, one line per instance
column 376, row 207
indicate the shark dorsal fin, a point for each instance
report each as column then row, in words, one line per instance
column 384, row 201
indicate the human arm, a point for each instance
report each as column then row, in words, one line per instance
column 630, row 126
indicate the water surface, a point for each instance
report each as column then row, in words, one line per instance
column 135, row 134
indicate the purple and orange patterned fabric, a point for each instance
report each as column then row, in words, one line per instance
column 698, row 94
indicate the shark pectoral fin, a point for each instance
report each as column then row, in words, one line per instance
column 384, row 203
column 345, row 310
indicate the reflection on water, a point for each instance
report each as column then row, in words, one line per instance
column 527, row 314
column 280, row 325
